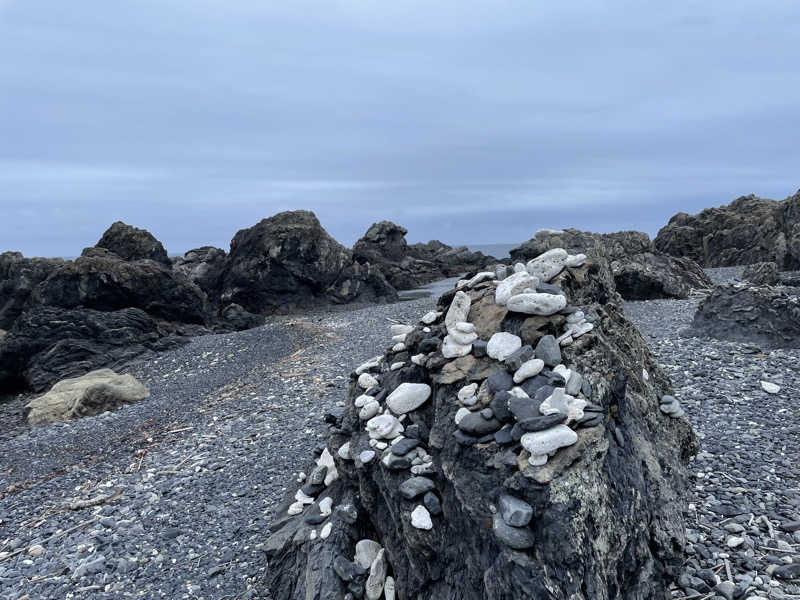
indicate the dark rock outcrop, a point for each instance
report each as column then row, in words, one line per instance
column 131, row 243
column 290, row 261
column 48, row 344
column 638, row 272
column 19, row 276
column 411, row 266
column 601, row 519
column 748, row 230
column 203, row 266
column 764, row 316
column 765, row 273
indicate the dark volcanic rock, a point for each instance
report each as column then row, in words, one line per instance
column 290, row 261
column 647, row 275
column 606, row 512
column 48, row 344
column 18, row 278
column 451, row 260
column 131, row 243
column 204, row 266
column 764, row 273
column 747, row 231
column 764, row 316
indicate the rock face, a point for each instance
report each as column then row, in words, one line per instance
column 19, row 276
column 411, row 266
column 765, row 273
column 203, row 266
column 290, row 261
column 638, row 272
column 90, row 394
column 764, row 316
column 465, row 509
column 130, row 243
column 747, row 231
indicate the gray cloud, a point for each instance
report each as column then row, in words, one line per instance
column 460, row 120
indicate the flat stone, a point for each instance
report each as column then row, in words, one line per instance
column 476, row 424
column 534, row 384
column 504, row 437
column 459, row 337
column 530, row 368
column 499, row 381
column 384, row 427
column 389, row 589
column 549, row 288
column 549, row 440
column 404, row 446
column 421, row 518
column 370, row 364
column 547, row 265
column 519, row 357
column 366, row 551
column 574, row 383
column 396, row 463
column 523, row 408
column 408, row 396
column 502, row 345
column 770, row 388
column 514, row 511
column 536, row 304
column 548, row 351
column 542, row 423
column 369, row 410
column 512, row 285
column 373, row 589
column 416, row 486
column 518, row 538
column 344, row 451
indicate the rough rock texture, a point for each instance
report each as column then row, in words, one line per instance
column 748, row 230
column 764, row 273
column 607, row 510
column 411, row 266
column 638, row 272
column 18, row 278
column 290, row 261
column 131, row 243
column 764, row 316
column 204, row 266
column 90, row 394
column 47, row 344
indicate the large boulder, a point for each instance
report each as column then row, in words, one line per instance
column 203, row 266
column 131, row 243
column 763, row 273
column 638, row 272
column 289, row 261
column 48, row 344
column 84, row 396
column 768, row 317
column 553, row 474
column 748, row 230
column 19, row 276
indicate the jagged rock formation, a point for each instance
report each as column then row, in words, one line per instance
column 411, row 266
column 528, row 452
column 19, row 276
column 204, row 266
column 765, row 316
column 748, row 230
column 638, row 272
column 84, row 396
column 290, row 261
column 765, row 273
column 130, row 243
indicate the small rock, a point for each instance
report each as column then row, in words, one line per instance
column 502, row 345
column 514, row 511
column 421, row 518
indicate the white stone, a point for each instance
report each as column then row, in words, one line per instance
column 398, row 347
column 426, row 329
column 384, row 427
column 429, row 318
column 561, row 402
column 574, row 384
column 377, row 576
column 468, row 391
column 326, row 460
column 518, row 392
column 464, row 327
column 295, row 508
column 313, row 534
column 370, row 364
column 549, row 440
column 381, row 445
column 537, row 460
column 421, row 518
column 645, row 375
column 362, row 400
column 460, row 414
column 399, row 329
column 528, row 369
column 464, row 339
column 482, row 276
column 407, row 397
column 397, row 366
column 326, row 506
column 326, row 531
column 579, row 329
column 548, row 265
column 461, row 283
column 458, row 311
column 575, row 260
column 301, row 497
column 513, row 285
column 389, row 589
column 565, row 340
column 366, row 456
column 366, row 381
column 399, row 339
column 536, row 304
column 366, row 551
column 576, row 317
column 452, row 349
column 502, row 345
column 418, row 359
column 36, row 550
column 563, row 371
column 770, row 388
column 344, row 451
column 500, row 272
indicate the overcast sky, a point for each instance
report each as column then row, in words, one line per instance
column 463, row 121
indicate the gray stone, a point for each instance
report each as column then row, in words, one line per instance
column 416, row 486
column 518, row 538
column 514, row 511
column 548, row 351
column 518, row 357
column 408, row 396
column 502, row 345
column 476, row 424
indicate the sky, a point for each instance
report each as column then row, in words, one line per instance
column 469, row 122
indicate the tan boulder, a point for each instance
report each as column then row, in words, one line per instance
column 535, row 328
column 2, row 334
column 466, row 367
column 486, row 315
column 90, row 394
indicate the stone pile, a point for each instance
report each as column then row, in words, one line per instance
column 509, row 445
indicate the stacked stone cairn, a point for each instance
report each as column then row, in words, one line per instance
column 523, row 401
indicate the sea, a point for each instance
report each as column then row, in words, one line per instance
column 496, row 250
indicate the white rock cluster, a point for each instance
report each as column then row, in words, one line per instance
column 460, row 333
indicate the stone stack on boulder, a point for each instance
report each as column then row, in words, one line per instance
column 748, row 230
column 411, row 266
column 766, row 316
column 517, row 451
column 639, row 272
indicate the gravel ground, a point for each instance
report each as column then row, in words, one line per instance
column 186, row 480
